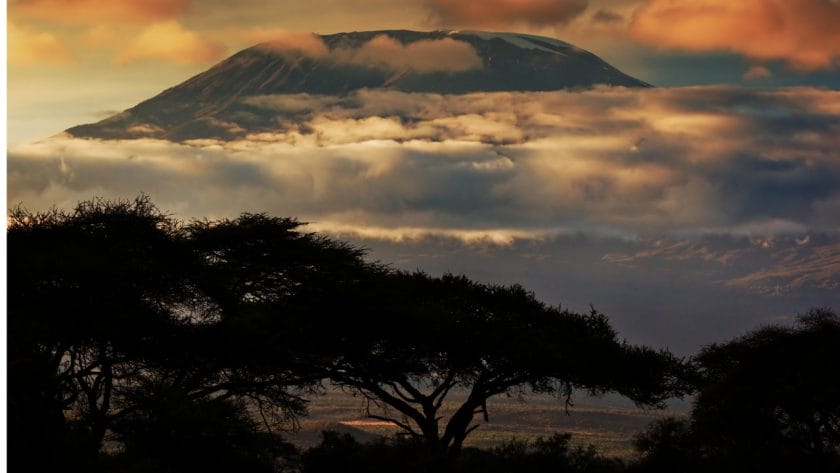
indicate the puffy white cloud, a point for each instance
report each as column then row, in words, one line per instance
column 279, row 40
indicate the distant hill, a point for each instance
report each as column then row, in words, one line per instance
column 212, row 104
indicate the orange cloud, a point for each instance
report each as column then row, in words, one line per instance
column 382, row 51
column 29, row 48
column 804, row 33
column 280, row 40
column 101, row 36
column 444, row 54
column 170, row 41
column 757, row 72
column 92, row 11
column 607, row 16
column 503, row 12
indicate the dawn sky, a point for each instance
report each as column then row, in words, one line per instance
column 96, row 57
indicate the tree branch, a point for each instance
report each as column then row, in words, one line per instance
column 399, row 424
column 402, row 395
column 440, row 393
column 406, row 384
column 388, row 398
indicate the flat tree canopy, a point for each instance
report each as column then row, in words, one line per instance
column 407, row 340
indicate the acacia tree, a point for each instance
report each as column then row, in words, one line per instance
column 256, row 268
column 115, row 307
column 767, row 401
column 406, row 341
column 89, row 291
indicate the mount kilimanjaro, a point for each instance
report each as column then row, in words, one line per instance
column 214, row 103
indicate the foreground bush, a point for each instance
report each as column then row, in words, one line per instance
column 767, row 401
column 554, row 454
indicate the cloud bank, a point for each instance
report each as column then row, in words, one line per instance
column 609, row 161
column 803, row 33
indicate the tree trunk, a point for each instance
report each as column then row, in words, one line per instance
column 458, row 427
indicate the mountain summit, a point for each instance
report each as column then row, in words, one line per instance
column 215, row 103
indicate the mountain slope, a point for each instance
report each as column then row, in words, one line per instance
column 212, row 105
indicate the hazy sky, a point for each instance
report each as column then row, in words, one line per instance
column 74, row 61
column 689, row 212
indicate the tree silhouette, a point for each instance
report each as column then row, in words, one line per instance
column 115, row 299
column 90, row 292
column 411, row 339
column 258, row 272
column 121, row 317
column 767, row 401
column 173, row 431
